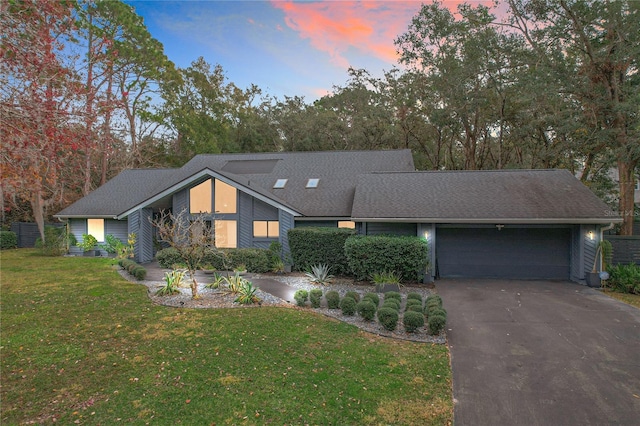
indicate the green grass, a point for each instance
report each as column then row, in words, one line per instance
column 631, row 299
column 82, row 345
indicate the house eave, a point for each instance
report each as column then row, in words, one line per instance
column 521, row 221
column 85, row 216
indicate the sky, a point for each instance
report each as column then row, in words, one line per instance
column 286, row 48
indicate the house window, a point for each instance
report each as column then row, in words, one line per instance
column 226, row 233
column 346, row 224
column 226, row 197
column 200, row 229
column 95, row 227
column 200, row 198
column 266, row 229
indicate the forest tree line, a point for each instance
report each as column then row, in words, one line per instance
column 87, row 91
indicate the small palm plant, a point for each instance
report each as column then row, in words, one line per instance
column 319, row 274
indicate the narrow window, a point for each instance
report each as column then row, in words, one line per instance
column 226, row 233
column 346, row 224
column 95, row 227
column 200, row 198
column 225, row 197
column 313, row 183
column 266, row 229
column 280, row 183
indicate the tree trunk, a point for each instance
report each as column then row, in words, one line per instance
column 38, row 211
column 626, row 171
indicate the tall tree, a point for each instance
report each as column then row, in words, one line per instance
column 39, row 91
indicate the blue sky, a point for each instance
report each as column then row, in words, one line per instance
column 285, row 48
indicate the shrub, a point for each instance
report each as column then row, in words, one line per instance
column 414, row 308
column 318, row 245
column 392, row 303
column 319, row 274
column 301, row 297
column 373, row 297
column 432, row 298
column 8, row 240
column 366, row 309
column 216, row 282
column 412, row 321
column 414, row 296
column 624, row 278
column 172, row 281
column 437, row 312
column 348, row 306
column 413, row 302
column 367, row 254
column 254, row 259
column 234, row 283
column 56, row 241
column 354, row 295
column 333, row 299
column 168, row 257
column 139, row 272
column 88, row 243
column 315, row 297
column 388, row 318
column 393, row 295
column 436, row 323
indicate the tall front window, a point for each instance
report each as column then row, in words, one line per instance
column 226, row 233
column 200, row 198
column 225, row 198
column 95, row 227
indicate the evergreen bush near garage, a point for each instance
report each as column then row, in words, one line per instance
column 353, row 294
column 301, row 297
column 624, row 278
column 412, row 321
column 8, row 240
column 432, row 298
column 318, row 245
column 415, row 302
column 256, row 260
column 392, row 303
column 414, row 296
column 369, row 254
column 373, row 297
column 348, row 306
column 393, row 295
column 414, row 308
column 315, row 297
column 366, row 309
column 333, row 299
column 168, row 257
column 388, row 318
column 436, row 323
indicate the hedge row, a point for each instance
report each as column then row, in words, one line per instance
column 8, row 240
column 254, row 259
column 137, row 271
column 316, row 245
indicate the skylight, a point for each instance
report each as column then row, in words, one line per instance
column 280, row 183
column 312, row 183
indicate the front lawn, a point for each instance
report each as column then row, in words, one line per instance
column 82, row 345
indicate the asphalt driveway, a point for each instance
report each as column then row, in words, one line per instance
column 541, row 353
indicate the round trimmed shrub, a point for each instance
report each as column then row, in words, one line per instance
column 366, row 309
column 301, row 297
column 373, row 297
column 414, row 302
column 437, row 312
column 315, row 296
column 392, row 295
column 348, row 306
column 388, row 317
column 392, row 303
column 414, row 308
column 414, row 296
column 168, row 257
column 436, row 324
column 139, row 272
column 412, row 321
column 354, row 295
column 434, row 297
column 333, row 299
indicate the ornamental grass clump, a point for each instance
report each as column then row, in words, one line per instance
column 315, row 297
column 366, row 309
column 301, row 297
column 348, row 306
column 412, row 321
column 333, row 299
column 388, row 318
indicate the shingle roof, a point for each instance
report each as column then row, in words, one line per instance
column 337, row 171
column 526, row 196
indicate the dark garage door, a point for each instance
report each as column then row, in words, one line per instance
column 517, row 253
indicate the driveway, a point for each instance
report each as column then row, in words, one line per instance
column 541, row 353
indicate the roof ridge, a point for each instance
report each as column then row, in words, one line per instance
column 466, row 171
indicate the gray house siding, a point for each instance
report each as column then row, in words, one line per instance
column 590, row 246
column 390, row 228
column 286, row 222
column 245, row 220
column 180, row 201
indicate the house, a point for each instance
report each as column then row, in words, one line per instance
column 522, row 224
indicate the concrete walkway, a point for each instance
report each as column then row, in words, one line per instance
column 541, row 353
column 268, row 285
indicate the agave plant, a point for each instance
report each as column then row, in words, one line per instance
column 247, row 293
column 217, row 281
column 234, row 282
column 172, row 280
column 319, row 274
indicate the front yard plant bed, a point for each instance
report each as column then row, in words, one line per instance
column 346, row 287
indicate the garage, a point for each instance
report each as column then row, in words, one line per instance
column 503, row 252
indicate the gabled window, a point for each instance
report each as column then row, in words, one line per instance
column 313, row 183
column 280, row 183
column 200, row 198
column 226, row 198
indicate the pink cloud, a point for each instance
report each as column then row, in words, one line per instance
column 341, row 28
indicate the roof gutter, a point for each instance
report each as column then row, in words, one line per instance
column 532, row 221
